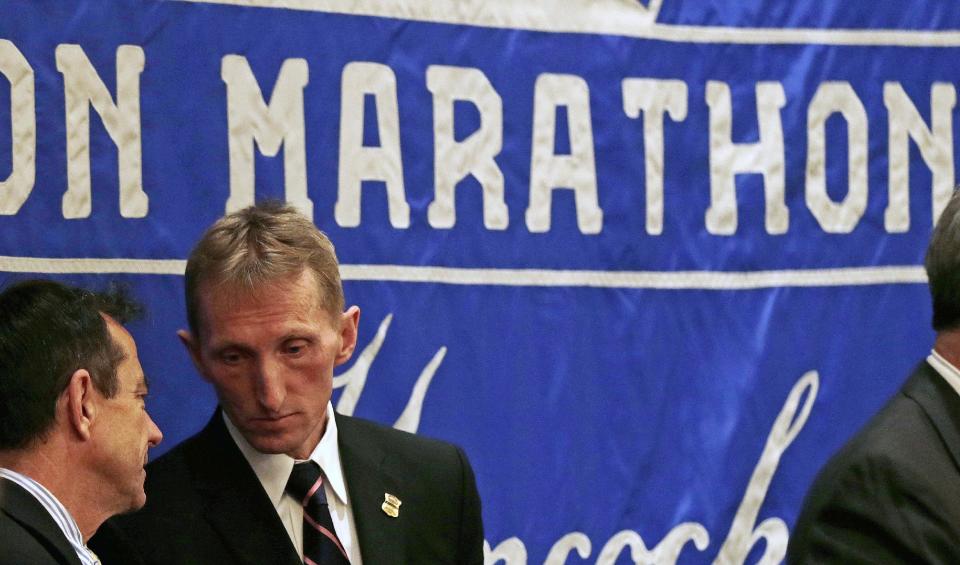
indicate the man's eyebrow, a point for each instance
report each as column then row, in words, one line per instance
column 218, row 348
column 297, row 335
column 144, row 383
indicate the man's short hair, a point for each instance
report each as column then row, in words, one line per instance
column 48, row 331
column 259, row 244
column 943, row 267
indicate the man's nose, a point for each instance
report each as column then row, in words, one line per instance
column 154, row 435
column 271, row 391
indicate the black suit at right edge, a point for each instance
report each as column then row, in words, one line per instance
column 892, row 493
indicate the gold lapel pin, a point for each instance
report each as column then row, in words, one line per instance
column 391, row 505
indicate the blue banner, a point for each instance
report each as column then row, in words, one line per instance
column 649, row 263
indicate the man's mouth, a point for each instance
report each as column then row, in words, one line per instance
column 272, row 419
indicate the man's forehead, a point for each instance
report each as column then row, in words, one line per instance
column 304, row 280
column 295, row 301
column 119, row 334
column 130, row 372
column 221, row 297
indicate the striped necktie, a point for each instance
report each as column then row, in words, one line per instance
column 320, row 543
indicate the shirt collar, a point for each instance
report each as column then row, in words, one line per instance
column 327, row 455
column 949, row 373
column 273, row 470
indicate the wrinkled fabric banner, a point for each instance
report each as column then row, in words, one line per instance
column 649, row 263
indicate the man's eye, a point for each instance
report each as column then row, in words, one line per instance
column 230, row 358
column 295, row 348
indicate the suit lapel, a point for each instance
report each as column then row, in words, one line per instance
column 368, row 479
column 235, row 503
column 940, row 402
column 21, row 506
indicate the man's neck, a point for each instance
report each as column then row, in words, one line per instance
column 947, row 344
column 71, row 488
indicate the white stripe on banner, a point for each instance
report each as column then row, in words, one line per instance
column 608, row 17
column 74, row 266
column 678, row 280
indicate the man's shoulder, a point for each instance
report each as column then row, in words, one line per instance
column 387, row 433
column 898, row 447
column 20, row 545
column 434, row 480
column 906, row 436
column 14, row 534
column 398, row 443
column 21, row 512
column 26, row 530
column 891, row 436
column 885, row 486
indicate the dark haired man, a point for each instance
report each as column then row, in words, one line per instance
column 74, row 433
column 892, row 494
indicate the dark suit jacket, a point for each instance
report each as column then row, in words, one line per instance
column 28, row 534
column 892, row 494
column 205, row 505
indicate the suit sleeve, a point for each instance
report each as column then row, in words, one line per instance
column 471, row 522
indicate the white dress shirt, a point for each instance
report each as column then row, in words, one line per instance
column 949, row 373
column 273, row 470
column 57, row 511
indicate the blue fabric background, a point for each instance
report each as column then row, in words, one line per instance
column 582, row 409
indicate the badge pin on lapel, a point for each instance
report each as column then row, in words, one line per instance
column 391, row 505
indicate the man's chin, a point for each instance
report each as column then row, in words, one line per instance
column 136, row 503
column 288, row 436
column 272, row 445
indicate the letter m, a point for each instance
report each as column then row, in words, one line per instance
column 251, row 119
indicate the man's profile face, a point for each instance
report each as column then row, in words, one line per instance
column 124, row 430
column 270, row 354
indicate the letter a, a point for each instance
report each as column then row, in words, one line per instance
column 577, row 171
column 359, row 163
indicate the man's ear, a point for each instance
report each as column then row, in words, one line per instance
column 349, row 322
column 192, row 345
column 79, row 400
